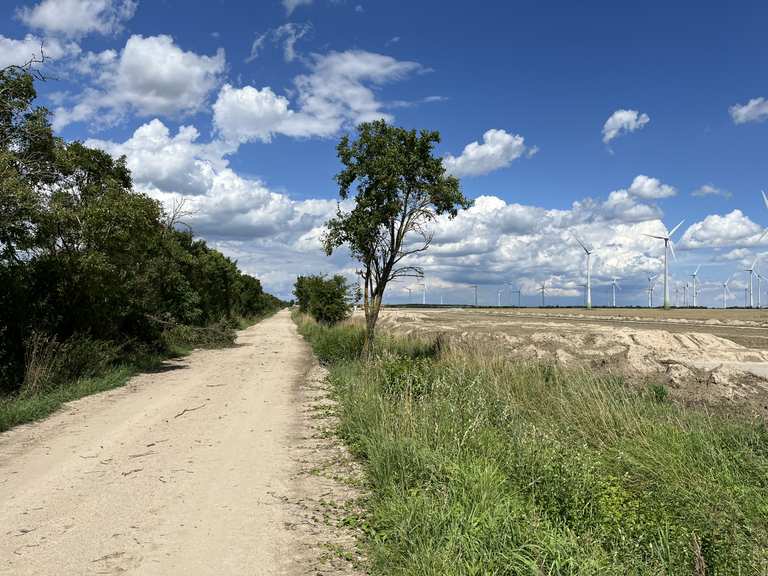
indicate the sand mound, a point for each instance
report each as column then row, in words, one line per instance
column 696, row 365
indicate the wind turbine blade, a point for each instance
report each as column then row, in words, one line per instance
column 672, row 249
column 675, row 228
column 657, row 237
column 765, row 198
column 753, row 263
column 697, row 270
column 580, row 242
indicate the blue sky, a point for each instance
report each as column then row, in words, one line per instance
column 236, row 107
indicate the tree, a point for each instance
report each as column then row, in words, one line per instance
column 401, row 188
column 327, row 300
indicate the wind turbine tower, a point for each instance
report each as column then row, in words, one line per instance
column 725, row 292
column 651, row 282
column 543, row 290
column 667, row 248
column 475, row 287
column 695, row 292
column 750, row 273
column 613, row 291
column 511, row 292
column 588, row 251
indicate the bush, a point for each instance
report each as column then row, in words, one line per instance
column 327, row 300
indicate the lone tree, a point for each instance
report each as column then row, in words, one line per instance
column 401, row 188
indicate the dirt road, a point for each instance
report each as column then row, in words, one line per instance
column 184, row 471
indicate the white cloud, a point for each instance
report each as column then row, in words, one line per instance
column 498, row 150
column 174, row 164
column 222, row 204
column 710, row 190
column 150, row 76
column 276, row 237
column 287, row 34
column 291, row 5
column 243, row 114
column 731, row 230
column 650, row 188
column 335, row 93
column 622, row 122
column 75, row 18
column 756, row 110
column 18, row 52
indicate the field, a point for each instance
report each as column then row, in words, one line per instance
column 712, row 356
column 479, row 463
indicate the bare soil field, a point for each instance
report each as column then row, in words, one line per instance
column 712, row 356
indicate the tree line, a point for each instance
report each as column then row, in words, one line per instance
column 86, row 258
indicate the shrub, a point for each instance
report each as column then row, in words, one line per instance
column 327, row 300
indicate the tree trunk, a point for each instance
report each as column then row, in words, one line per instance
column 372, row 307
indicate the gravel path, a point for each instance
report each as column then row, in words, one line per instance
column 183, row 471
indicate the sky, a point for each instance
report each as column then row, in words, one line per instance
column 601, row 120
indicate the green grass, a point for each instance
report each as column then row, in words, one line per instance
column 15, row 410
column 481, row 465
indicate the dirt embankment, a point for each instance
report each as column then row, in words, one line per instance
column 696, row 361
column 206, row 467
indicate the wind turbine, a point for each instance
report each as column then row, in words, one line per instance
column 498, row 297
column 759, row 278
column 667, row 248
column 613, row 291
column 750, row 273
column 685, row 295
column 696, row 272
column 424, row 293
column 588, row 251
column 514, row 292
column 651, row 282
column 409, row 295
column 543, row 290
column 475, row 287
column 726, row 292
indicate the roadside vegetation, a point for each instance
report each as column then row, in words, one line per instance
column 481, row 465
column 97, row 279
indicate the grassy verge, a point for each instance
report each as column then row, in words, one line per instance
column 480, row 465
column 181, row 340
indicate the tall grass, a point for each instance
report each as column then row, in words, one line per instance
column 481, row 465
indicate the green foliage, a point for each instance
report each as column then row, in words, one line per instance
column 401, row 186
column 327, row 300
column 92, row 271
column 487, row 466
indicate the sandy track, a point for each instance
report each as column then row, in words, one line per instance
column 180, row 472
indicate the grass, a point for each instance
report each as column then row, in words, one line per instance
column 15, row 410
column 34, row 402
column 481, row 465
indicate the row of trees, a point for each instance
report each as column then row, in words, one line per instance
column 82, row 254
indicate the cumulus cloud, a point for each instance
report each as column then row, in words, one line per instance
column 756, row 110
column 650, row 188
column 336, row 92
column 76, row 18
column 18, row 52
column 622, row 122
column 732, row 230
column 710, row 190
column 291, row 5
column 498, row 150
column 221, row 203
column 149, row 76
